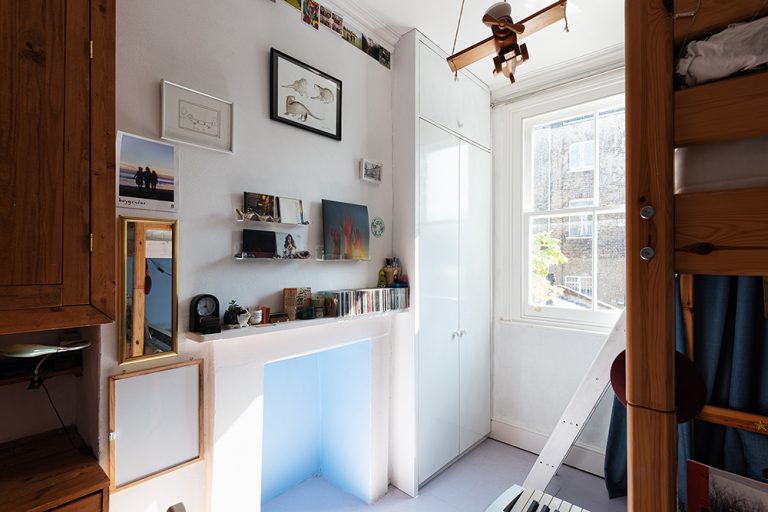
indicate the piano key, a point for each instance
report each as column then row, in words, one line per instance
column 533, row 507
column 554, row 505
column 576, row 509
column 523, row 501
column 565, row 507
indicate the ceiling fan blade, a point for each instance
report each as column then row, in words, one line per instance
column 544, row 17
column 478, row 51
column 517, row 28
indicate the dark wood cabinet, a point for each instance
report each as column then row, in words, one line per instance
column 57, row 189
column 46, row 472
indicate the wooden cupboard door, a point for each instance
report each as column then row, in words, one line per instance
column 438, row 358
column 44, row 153
column 475, row 254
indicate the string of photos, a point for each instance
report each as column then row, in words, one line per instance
column 315, row 15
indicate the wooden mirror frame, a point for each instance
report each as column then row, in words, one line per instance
column 122, row 317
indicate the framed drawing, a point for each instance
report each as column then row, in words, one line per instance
column 370, row 171
column 196, row 118
column 155, row 422
column 302, row 96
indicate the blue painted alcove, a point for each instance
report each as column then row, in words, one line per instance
column 317, row 421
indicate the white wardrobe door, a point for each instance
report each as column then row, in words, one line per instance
column 475, row 295
column 438, row 432
column 438, row 92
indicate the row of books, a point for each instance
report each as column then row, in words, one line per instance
column 365, row 301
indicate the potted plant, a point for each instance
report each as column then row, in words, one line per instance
column 235, row 315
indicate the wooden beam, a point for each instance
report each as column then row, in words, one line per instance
column 729, row 109
column 713, row 16
column 139, row 277
column 650, row 282
column 736, row 419
column 645, row 468
column 722, row 232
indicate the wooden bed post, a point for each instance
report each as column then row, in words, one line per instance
column 651, row 425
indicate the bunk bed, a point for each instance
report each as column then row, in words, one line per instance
column 703, row 232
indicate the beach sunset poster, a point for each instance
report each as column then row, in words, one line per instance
column 147, row 176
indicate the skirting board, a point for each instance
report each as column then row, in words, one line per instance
column 580, row 457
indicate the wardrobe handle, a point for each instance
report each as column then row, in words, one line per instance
column 455, row 334
column 462, row 332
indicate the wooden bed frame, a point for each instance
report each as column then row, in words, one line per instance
column 694, row 233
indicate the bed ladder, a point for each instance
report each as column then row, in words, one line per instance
column 579, row 409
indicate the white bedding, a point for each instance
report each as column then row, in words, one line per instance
column 740, row 47
column 726, row 165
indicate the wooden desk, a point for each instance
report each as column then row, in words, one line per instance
column 45, row 473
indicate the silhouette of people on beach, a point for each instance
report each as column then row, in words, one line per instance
column 154, row 181
column 147, row 180
column 139, row 177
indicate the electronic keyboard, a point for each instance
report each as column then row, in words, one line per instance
column 517, row 499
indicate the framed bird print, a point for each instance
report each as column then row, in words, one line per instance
column 303, row 96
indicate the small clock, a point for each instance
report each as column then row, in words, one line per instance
column 204, row 314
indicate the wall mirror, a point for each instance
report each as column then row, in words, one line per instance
column 148, row 257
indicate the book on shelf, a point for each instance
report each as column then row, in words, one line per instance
column 715, row 490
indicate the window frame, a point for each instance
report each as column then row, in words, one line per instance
column 582, row 219
column 581, row 144
column 513, row 149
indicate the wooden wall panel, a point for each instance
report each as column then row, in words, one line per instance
column 31, row 140
column 77, row 183
column 103, row 222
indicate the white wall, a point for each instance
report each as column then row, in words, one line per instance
column 223, row 49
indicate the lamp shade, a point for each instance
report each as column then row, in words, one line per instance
column 37, row 350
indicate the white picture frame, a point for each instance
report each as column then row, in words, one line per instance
column 196, row 118
column 145, row 404
column 371, row 171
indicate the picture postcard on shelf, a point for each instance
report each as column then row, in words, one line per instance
column 290, row 210
column 261, row 206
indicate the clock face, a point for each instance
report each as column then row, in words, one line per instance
column 206, row 306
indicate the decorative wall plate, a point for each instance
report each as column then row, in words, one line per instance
column 377, row 227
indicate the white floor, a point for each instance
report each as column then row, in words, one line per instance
column 470, row 485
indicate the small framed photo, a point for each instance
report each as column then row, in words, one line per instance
column 147, row 174
column 370, row 171
column 196, row 118
column 303, row 96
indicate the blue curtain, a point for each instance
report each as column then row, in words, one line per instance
column 731, row 351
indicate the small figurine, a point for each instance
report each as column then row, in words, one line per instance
column 382, row 279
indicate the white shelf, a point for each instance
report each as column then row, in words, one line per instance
column 263, row 223
column 247, row 258
column 256, row 330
